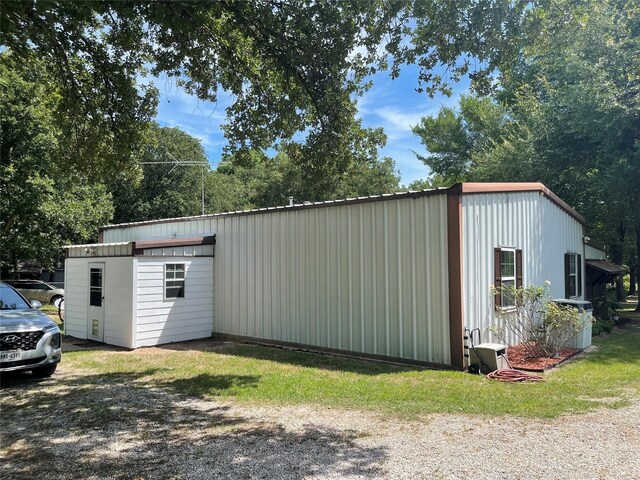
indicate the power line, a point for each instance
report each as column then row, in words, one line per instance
column 177, row 163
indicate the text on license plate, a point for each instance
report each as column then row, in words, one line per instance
column 10, row 355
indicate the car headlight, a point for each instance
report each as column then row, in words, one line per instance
column 55, row 341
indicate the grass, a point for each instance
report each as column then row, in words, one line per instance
column 608, row 377
column 627, row 309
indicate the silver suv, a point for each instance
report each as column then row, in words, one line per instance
column 37, row 290
column 29, row 339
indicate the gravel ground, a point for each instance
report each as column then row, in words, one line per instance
column 77, row 425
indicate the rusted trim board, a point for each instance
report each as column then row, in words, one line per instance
column 454, row 253
column 466, row 188
column 174, row 242
column 332, row 351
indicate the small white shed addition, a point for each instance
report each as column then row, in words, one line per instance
column 135, row 294
column 396, row 276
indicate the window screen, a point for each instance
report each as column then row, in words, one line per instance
column 174, row 280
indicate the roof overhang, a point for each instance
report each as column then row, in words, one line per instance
column 604, row 266
column 174, row 242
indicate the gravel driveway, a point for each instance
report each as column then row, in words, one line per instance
column 78, row 425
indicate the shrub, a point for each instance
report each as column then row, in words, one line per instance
column 602, row 325
column 540, row 325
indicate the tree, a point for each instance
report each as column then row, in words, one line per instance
column 455, row 139
column 571, row 111
column 289, row 65
column 164, row 190
column 292, row 66
column 271, row 181
column 42, row 205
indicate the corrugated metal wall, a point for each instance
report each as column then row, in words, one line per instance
column 525, row 220
column 367, row 277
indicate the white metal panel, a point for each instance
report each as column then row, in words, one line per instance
column 119, row 249
column 118, row 301
column 161, row 320
column 76, row 297
column 593, row 253
column 366, row 277
column 522, row 220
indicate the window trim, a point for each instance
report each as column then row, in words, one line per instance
column 577, row 290
column 498, row 278
column 174, row 279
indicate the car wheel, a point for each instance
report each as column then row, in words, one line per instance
column 54, row 299
column 47, row 371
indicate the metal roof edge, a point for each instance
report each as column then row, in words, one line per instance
column 458, row 188
column 288, row 208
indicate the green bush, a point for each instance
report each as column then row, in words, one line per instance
column 540, row 325
column 602, row 325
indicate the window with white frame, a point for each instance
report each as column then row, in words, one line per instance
column 572, row 275
column 174, row 280
column 507, row 275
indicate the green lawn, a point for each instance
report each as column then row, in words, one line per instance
column 607, row 377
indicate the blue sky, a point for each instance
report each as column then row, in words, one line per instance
column 391, row 104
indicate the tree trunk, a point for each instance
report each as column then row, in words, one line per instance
column 637, row 266
column 632, row 280
column 617, row 254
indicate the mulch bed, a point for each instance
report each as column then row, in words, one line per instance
column 519, row 360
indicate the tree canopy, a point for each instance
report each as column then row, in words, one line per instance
column 43, row 204
column 566, row 112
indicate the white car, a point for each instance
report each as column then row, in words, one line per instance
column 29, row 339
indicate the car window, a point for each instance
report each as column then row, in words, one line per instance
column 10, row 300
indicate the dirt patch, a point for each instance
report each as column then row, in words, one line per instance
column 519, row 359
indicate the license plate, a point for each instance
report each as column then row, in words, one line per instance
column 10, row 355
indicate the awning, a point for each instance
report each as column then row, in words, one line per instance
column 605, row 266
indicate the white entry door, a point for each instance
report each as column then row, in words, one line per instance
column 95, row 327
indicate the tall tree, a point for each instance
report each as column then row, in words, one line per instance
column 571, row 116
column 292, row 66
column 166, row 189
column 43, row 205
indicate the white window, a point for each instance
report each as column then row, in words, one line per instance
column 507, row 275
column 573, row 275
column 174, row 280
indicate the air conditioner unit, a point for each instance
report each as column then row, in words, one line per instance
column 488, row 357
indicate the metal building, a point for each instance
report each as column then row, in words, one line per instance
column 393, row 276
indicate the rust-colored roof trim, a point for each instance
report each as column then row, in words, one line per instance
column 466, row 188
column 173, row 242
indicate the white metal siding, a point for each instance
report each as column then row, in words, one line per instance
column 527, row 221
column 76, row 296
column 368, row 277
column 118, row 298
column 118, row 301
column 120, row 249
column 593, row 253
column 172, row 320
